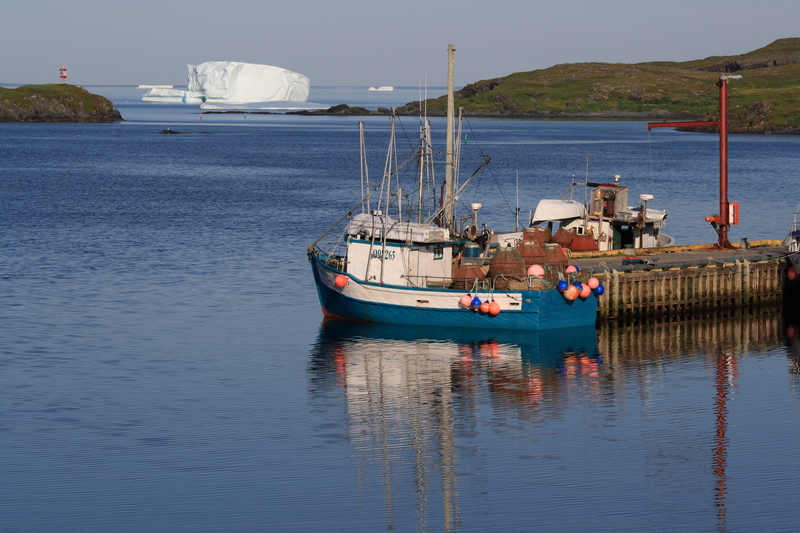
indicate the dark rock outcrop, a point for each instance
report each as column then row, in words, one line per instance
column 342, row 109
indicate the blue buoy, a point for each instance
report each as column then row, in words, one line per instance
column 599, row 290
column 562, row 285
column 578, row 285
column 476, row 302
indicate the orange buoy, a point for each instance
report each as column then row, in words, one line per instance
column 341, row 281
column 791, row 274
column 586, row 291
column 494, row 308
column 485, row 307
column 571, row 293
column 593, row 283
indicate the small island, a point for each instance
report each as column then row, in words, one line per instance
column 57, row 102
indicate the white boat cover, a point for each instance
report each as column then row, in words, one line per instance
column 548, row 210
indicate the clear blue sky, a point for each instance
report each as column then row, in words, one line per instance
column 369, row 42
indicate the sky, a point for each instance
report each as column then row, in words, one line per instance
column 369, row 42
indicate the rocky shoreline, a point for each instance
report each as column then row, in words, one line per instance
column 754, row 126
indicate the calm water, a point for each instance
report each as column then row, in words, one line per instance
column 164, row 365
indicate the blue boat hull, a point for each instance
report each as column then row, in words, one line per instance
column 538, row 310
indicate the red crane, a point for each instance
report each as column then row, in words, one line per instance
column 728, row 211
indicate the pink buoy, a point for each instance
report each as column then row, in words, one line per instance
column 465, row 301
column 791, row 274
column 341, row 281
column 593, row 283
column 485, row 307
column 536, row 270
column 570, row 269
column 494, row 308
column 586, row 291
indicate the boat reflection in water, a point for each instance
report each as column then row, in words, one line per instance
column 443, row 421
column 411, row 391
column 722, row 342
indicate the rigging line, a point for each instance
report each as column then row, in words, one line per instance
column 491, row 172
column 408, row 139
column 702, row 94
column 474, row 137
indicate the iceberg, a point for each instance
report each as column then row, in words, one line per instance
column 172, row 96
column 230, row 82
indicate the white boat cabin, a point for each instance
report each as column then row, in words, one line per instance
column 392, row 252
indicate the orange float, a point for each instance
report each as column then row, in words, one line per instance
column 571, row 293
column 586, row 291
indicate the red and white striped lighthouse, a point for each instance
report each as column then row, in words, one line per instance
column 62, row 75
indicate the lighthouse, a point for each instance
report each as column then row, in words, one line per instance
column 62, row 75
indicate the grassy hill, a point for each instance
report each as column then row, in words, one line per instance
column 59, row 102
column 766, row 99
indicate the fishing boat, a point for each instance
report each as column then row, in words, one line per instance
column 420, row 263
column 386, row 88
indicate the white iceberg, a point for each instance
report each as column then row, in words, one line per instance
column 173, row 95
column 233, row 82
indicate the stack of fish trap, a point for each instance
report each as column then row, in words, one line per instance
column 466, row 276
column 583, row 243
column 555, row 259
column 537, row 234
column 563, row 237
column 532, row 253
column 507, row 269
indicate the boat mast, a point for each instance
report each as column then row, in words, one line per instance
column 448, row 168
column 364, row 172
column 423, row 158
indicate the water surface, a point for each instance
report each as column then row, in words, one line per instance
column 164, row 365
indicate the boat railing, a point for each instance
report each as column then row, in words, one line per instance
column 500, row 283
column 329, row 258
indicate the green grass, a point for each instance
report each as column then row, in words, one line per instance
column 770, row 74
column 68, row 95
